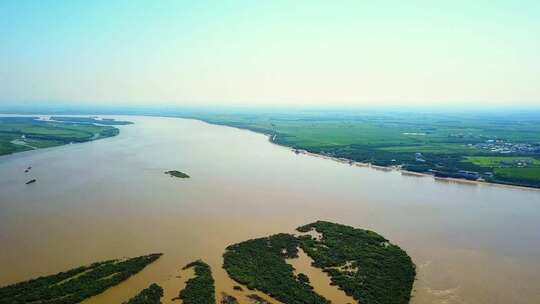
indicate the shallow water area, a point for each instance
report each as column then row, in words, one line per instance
column 110, row 198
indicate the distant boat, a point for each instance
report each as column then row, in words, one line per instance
column 28, row 169
column 31, row 181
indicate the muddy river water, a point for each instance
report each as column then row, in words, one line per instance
column 110, row 198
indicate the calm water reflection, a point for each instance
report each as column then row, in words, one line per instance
column 110, row 198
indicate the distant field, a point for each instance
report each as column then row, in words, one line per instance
column 522, row 173
column 434, row 148
column 501, row 161
column 440, row 143
column 26, row 133
column 520, row 170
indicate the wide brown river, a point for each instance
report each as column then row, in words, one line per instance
column 110, row 198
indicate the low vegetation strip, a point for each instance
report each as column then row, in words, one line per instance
column 150, row 295
column 361, row 262
column 201, row 288
column 75, row 285
column 260, row 264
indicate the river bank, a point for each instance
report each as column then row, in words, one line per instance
column 272, row 137
column 462, row 148
column 406, row 172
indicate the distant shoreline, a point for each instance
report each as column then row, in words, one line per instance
column 380, row 168
column 402, row 171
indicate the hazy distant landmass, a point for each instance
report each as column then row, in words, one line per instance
column 19, row 134
column 91, row 120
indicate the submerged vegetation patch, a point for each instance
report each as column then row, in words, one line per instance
column 201, row 288
column 150, row 295
column 176, row 173
column 361, row 262
column 75, row 285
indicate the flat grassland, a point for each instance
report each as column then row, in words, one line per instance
column 441, row 144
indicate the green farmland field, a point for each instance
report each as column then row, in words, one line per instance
column 500, row 161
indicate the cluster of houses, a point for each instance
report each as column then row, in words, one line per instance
column 502, row 147
column 522, row 162
column 470, row 175
column 419, row 157
column 473, row 175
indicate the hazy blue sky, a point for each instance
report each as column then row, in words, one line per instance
column 271, row 52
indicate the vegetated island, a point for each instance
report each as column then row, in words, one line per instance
column 75, row 285
column 201, row 288
column 260, row 264
column 178, row 174
column 488, row 147
column 362, row 263
column 19, row 134
column 150, row 295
